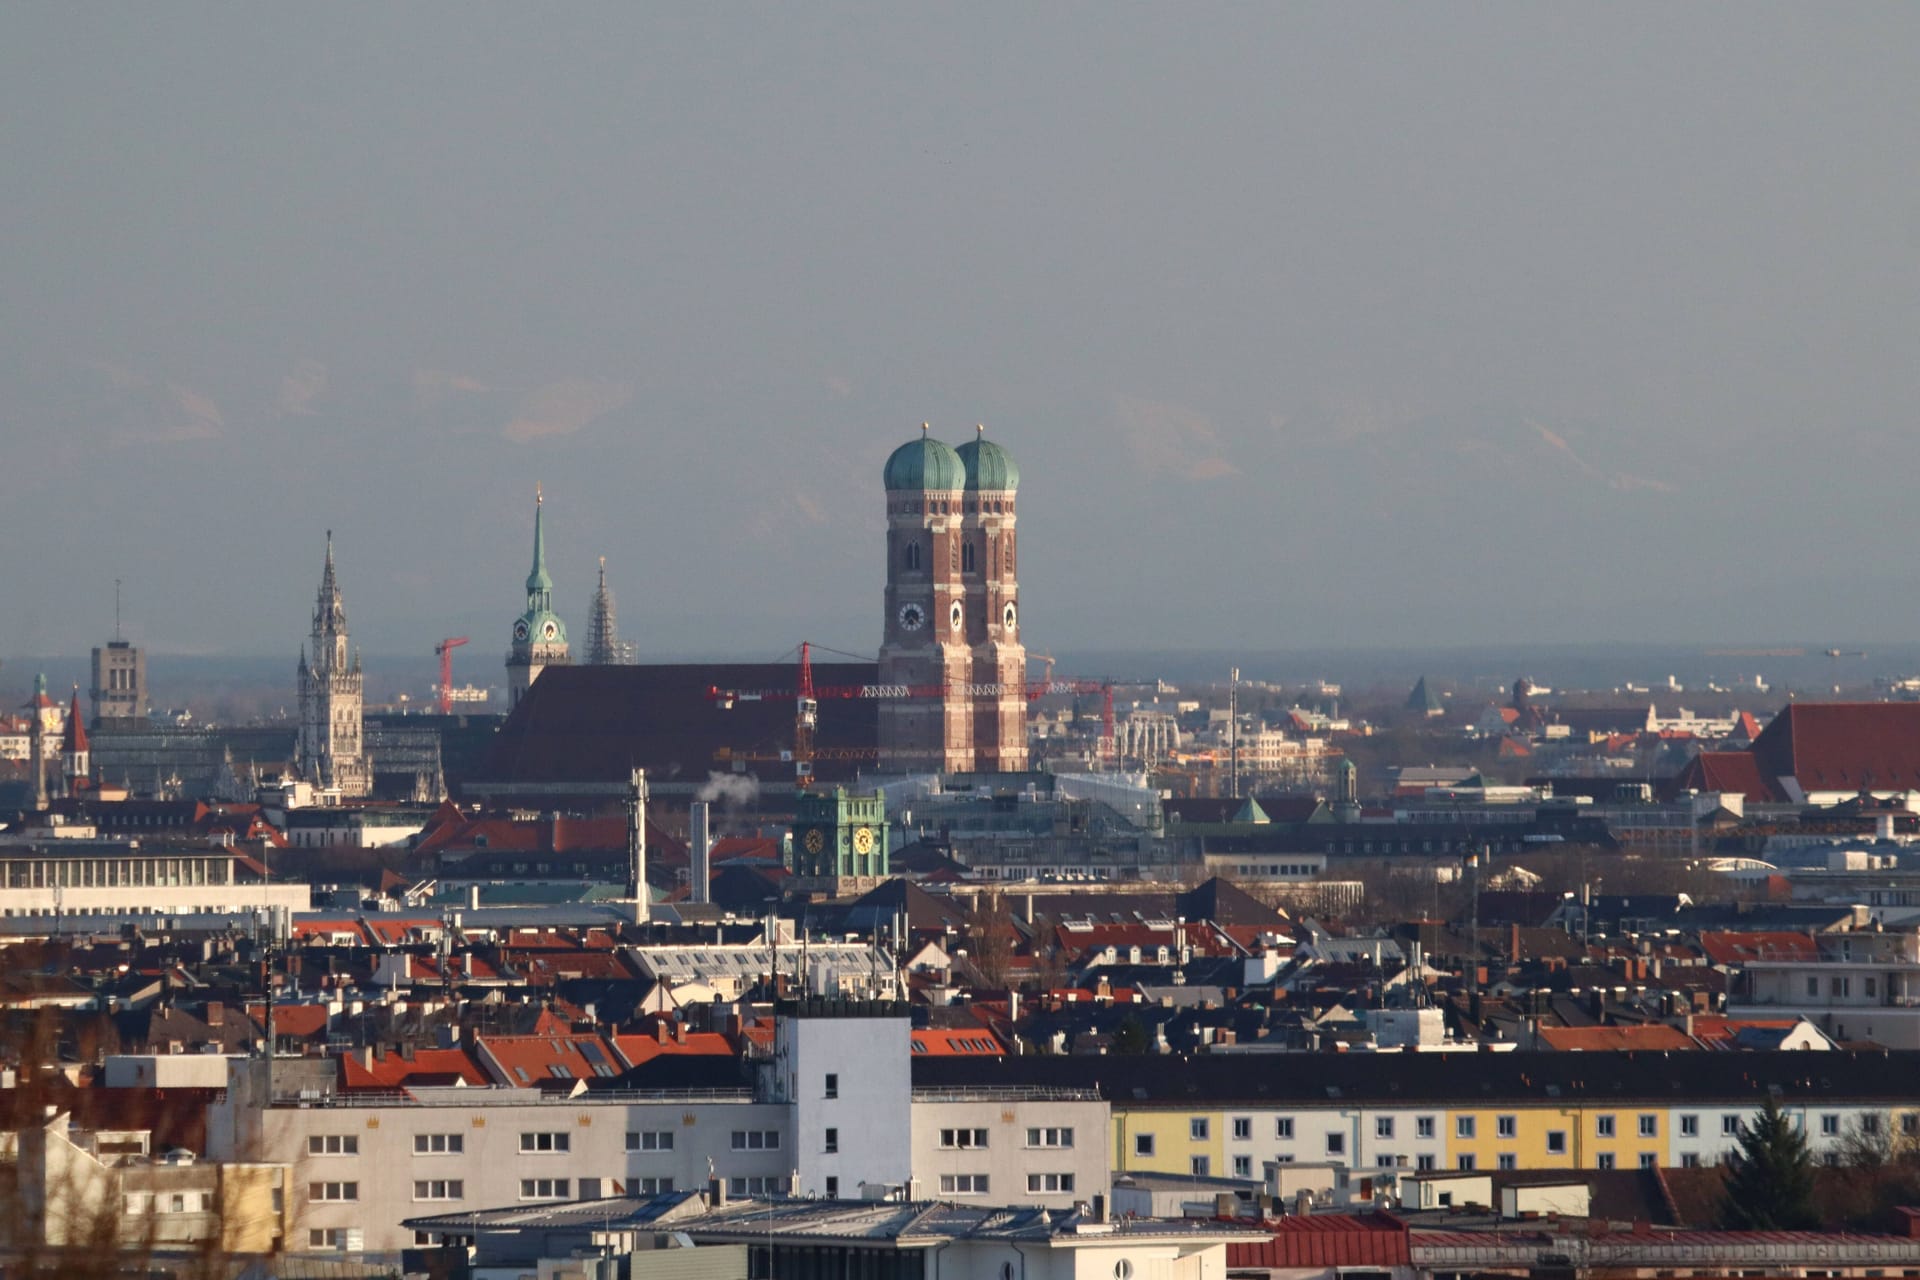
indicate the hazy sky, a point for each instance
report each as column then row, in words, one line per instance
column 1337, row 324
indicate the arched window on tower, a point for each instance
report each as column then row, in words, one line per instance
column 913, row 554
column 966, row 557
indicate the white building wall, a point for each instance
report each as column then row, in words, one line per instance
column 1038, row 1151
column 846, row 1069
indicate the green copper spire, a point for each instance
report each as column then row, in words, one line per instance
column 538, row 582
column 539, row 625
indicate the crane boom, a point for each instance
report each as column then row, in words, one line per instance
column 444, row 652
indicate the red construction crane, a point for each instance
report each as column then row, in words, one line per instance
column 808, row 694
column 444, row 652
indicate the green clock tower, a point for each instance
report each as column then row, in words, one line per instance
column 837, row 834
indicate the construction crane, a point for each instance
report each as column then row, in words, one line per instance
column 807, row 696
column 444, row 652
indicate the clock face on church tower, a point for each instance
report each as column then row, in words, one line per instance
column 520, row 629
column 1009, row 616
column 912, row 617
column 956, row 616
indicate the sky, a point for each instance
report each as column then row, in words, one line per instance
column 1309, row 325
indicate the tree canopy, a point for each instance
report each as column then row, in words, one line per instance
column 1770, row 1179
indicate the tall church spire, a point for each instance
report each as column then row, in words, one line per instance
column 539, row 637
column 604, row 648
column 539, row 584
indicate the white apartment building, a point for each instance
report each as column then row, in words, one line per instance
column 1862, row 986
column 122, row 878
column 835, row 1115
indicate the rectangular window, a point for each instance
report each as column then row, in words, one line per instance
column 1423, row 1126
column 1424, row 1162
column 1283, row 1128
column 649, row 1186
column 1506, row 1126
column 1336, row 1144
column 1689, row 1126
column 439, row 1189
column 1048, row 1183
column 962, row 1139
column 1691, row 1160
column 1243, row 1128
column 439, row 1144
column 1604, row 1160
column 1143, row 1144
column 1243, row 1166
column 1813, row 986
column 1507, row 1160
column 1829, row 1125
column 1465, row 1164
column 333, row 1191
column 833, row 1084
column 1050, row 1137
column 762, row 1186
column 756, row 1139
column 333, row 1144
column 544, row 1188
column 832, row 1145
column 650, row 1140
column 1383, row 1126
column 1199, row 1166
column 1463, row 1127
column 833, row 1188
column 1646, row 1160
column 963, row 1184
column 545, row 1142
column 1729, row 1126
column 1556, row 1142
column 1603, row 1126
column 1649, row 1126
column 1197, row 1129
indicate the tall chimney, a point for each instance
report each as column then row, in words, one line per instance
column 637, row 844
column 699, row 849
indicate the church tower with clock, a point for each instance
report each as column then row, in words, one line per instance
column 924, row 641
column 987, row 571
column 539, row 637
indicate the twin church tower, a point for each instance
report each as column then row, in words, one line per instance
column 953, row 610
column 951, row 633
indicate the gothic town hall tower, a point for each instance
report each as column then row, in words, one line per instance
column 952, row 611
column 331, row 754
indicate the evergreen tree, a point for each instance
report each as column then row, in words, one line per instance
column 1130, row 1036
column 1770, row 1179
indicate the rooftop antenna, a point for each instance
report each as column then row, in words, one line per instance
column 116, row 610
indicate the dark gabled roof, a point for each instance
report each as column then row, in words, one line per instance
column 925, row 911
column 1393, row 1079
column 596, row 724
column 1224, row 902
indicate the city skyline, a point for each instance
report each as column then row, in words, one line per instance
column 1327, row 326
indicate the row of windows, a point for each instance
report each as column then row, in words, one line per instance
column 1646, row 1125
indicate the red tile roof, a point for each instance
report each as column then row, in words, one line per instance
column 1324, row 1240
column 547, row 1061
column 1843, row 746
column 957, row 1042
column 639, row 1049
column 1734, row 772
column 425, row 1068
column 1604, row 1039
column 1731, row 948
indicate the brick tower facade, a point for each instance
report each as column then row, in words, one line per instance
column 925, row 637
column 988, row 571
